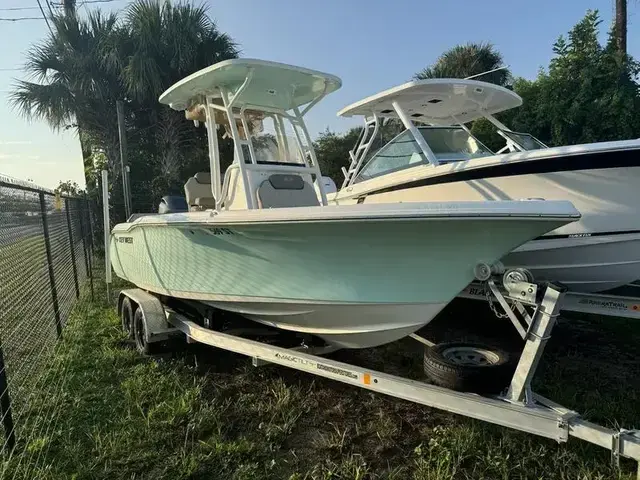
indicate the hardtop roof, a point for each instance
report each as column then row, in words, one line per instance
column 272, row 85
column 437, row 101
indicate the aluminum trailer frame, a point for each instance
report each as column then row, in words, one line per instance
column 595, row 303
column 519, row 408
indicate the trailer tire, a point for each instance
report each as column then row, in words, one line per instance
column 126, row 317
column 468, row 367
column 139, row 329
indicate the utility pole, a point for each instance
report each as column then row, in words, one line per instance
column 69, row 7
column 123, row 158
column 621, row 26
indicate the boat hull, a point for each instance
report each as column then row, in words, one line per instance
column 345, row 325
column 584, row 264
column 354, row 283
column 599, row 252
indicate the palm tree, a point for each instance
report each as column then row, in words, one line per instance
column 464, row 61
column 164, row 43
column 85, row 66
column 621, row 26
column 69, row 86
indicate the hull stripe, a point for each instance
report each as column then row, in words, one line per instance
column 587, row 161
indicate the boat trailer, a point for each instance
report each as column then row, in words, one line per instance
column 518, row 407
column 594, row 303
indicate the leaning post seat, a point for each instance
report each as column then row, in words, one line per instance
column 286, row 190
column 198, row 192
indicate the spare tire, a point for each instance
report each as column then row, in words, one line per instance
column 468, row 367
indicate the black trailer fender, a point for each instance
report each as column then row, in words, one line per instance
column 157, row 328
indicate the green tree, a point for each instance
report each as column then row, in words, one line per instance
column 464, row 61
column 332, row 150
column 86, row 65
column 71, row 87
column 589, row 93
column 159, row 45
column 68, row 187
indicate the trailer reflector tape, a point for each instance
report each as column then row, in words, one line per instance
column 366, row 379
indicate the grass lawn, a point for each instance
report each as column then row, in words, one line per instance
column 116, row 415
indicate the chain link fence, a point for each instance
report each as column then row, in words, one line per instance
column 46, row 252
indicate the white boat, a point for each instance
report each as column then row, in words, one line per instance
column 261, row 241
column 438, row 159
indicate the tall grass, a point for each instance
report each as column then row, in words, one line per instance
column 118, row 415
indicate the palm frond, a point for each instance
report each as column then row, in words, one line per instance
column 42, row 58
column 467, row 60
column 172, row 41
column 53, row 103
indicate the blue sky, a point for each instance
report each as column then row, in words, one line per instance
column 371, row 44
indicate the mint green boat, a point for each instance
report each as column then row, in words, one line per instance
column 260, row 240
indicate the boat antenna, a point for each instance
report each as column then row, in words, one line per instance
column 488, row 71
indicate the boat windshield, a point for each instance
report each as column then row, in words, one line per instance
column 272, row 145
column 525, row 140
column 400, row 153
column 452, row 144
column 448, row 144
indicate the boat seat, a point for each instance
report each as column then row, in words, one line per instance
column 286, row 190
column 197, row 190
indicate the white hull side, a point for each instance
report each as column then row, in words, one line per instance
column 608, row 200
column 342, row 325
column 587, row 264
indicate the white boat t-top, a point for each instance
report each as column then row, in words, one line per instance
column 437, row 158
column 260, row 240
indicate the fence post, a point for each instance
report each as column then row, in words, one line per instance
column 105, row 219
column 5, row 405
column 86, row 248
column 52, row 281
column 71, row 246
column 84, row 243
column 90, row 219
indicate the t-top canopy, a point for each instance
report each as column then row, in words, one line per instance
column 271, row 85
column 437, row 101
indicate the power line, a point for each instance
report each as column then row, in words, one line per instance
column 49, row 7
column 44, row 16
column 51, row 4
column 84, row 2
column 18, row 19
column 19, row 8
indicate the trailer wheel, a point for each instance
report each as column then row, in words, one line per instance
column 468, row 367
column 126, row 317
column 139, row 328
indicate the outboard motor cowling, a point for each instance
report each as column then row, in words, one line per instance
column 173, row 204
